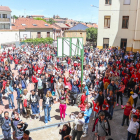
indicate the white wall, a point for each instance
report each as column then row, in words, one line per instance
column 23, row 34
column 9, row 36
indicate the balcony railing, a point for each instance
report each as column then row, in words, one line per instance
column 4, row 20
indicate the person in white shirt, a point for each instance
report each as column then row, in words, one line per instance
column 133, row 127
column 78, row 124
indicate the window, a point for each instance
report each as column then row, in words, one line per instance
column 108, row 2
column 123, row 43
column 38, row 35
column 125, row 21
column 4, row 15
column 107, row 22
column 105, row 42
column 48, row 34
column 46, row 24
column 7, row 26
column 23, row 24
column 126, row 2
column 34, row 25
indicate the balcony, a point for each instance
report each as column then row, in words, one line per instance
column 4, row 19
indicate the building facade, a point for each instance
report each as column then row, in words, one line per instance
column 119, row 24
column 5, row 18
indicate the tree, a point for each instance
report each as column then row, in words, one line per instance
column 51, row 21
column 92, row 34
column 15, row 17
column 38, row 18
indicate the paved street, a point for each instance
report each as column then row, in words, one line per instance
column 53, row 132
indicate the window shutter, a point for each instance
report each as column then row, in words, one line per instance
column 127, row 2
column 106, row 40
column 105, row 22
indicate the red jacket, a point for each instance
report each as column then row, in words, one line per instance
column 127, row 110
column 95, row 108
column 34, row 80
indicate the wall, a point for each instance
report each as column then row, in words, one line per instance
column 115, row 33
column 9, row 36
column 43, row 32
column 77, row 33
column 23, row 33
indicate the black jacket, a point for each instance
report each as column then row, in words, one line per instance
column 44, row 101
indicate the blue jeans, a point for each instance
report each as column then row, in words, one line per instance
column 16, row 66
column 19, row 101
column 47, row 110
column 11, row 99
column 86, row 128
column 111, row 109
column 130, row 135
column 1, row 102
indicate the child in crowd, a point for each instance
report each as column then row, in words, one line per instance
column 127, row 109
column 95, row 109
column 106, row 103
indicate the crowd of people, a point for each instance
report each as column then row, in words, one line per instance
column 109, row 75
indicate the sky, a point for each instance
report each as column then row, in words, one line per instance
column 79, row 10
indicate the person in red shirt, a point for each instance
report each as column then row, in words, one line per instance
column 95, row 109
column 135, row 76
column 34, row 80
column 106, row 103
column 127, row 109
column 125, row 80
column 16, row 60
column 82, row 106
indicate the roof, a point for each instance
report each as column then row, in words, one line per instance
column 79, row 27
column 5, row 8
column 91, row 25
column 56, row 27
column 37, row 16
column 59, row 20
column 23, row 23
column 61, row 25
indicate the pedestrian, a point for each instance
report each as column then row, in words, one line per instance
column 101, row 127
column 78, row 126
column 5, row 124
column 34, row 102
column 26, row 135
column 112, row 102
column 133, row 127
column 46, row 105
column 127, row 109
column 65, row 130
column 87, row 115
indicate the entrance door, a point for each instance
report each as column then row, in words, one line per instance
column 38, row 35
column 123, row 44
column 105, row 42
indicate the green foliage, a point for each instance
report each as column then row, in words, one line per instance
column 36, row 41
column 38, row 18
column 92, row 34
column 51, row 21
column 15, row 17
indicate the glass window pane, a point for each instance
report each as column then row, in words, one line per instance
column 127, row 2
column 110, row 2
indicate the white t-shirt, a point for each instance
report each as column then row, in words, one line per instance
column 133, row 126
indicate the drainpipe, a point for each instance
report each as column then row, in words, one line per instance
column 136, row 21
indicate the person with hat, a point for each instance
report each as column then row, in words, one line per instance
column 26, row 135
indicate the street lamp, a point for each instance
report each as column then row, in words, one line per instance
column 94, row 6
